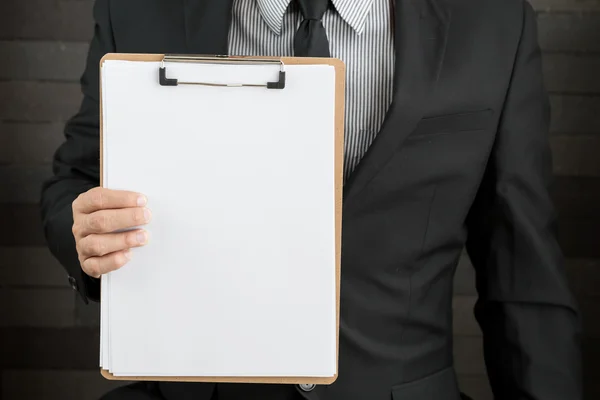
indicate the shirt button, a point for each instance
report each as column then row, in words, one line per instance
column 73, row 283
column 307, row 387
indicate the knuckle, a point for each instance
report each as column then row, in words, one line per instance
column 138, row 216
column 130, row 240
column 96, row 198
column 91, row 266
column 75, row 203
column 97, row 222
column 96, row 246
column 75, row 229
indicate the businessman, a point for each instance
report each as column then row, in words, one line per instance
column 446, row 148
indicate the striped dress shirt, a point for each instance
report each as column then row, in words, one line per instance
column 360, row 33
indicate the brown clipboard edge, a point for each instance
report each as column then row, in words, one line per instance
column 340, row 81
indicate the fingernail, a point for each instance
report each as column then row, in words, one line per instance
column 147, row 215
column 141, row 201
column 128, row 254
column 141, row 237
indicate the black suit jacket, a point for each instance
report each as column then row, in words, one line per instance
column 462, row 159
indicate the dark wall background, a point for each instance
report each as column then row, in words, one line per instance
column 49, row 339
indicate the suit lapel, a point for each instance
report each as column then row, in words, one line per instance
column 420, row 38
column 207, row 26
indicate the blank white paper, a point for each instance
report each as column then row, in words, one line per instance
column 238, row 278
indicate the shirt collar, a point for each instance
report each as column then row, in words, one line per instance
column 354, row 12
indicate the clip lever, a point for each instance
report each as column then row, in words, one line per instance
column 164, row 81
column 162, row 77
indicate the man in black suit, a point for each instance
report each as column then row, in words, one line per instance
column 446, row 147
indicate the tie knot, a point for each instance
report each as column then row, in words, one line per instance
column 313, row 9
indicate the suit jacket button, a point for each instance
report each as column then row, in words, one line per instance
column 307, row 387
column 73, row 283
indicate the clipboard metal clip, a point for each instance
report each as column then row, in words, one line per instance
column 164, row 81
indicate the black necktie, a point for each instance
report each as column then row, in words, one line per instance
column 311, row 38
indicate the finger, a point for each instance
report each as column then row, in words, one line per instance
column 100, row 245
column 102, row 199
column 98, row 266
column 107, row 221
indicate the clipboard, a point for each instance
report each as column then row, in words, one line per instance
column 167, row 78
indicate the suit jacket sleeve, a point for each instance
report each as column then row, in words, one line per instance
column 76, row 162
column 526, row 312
